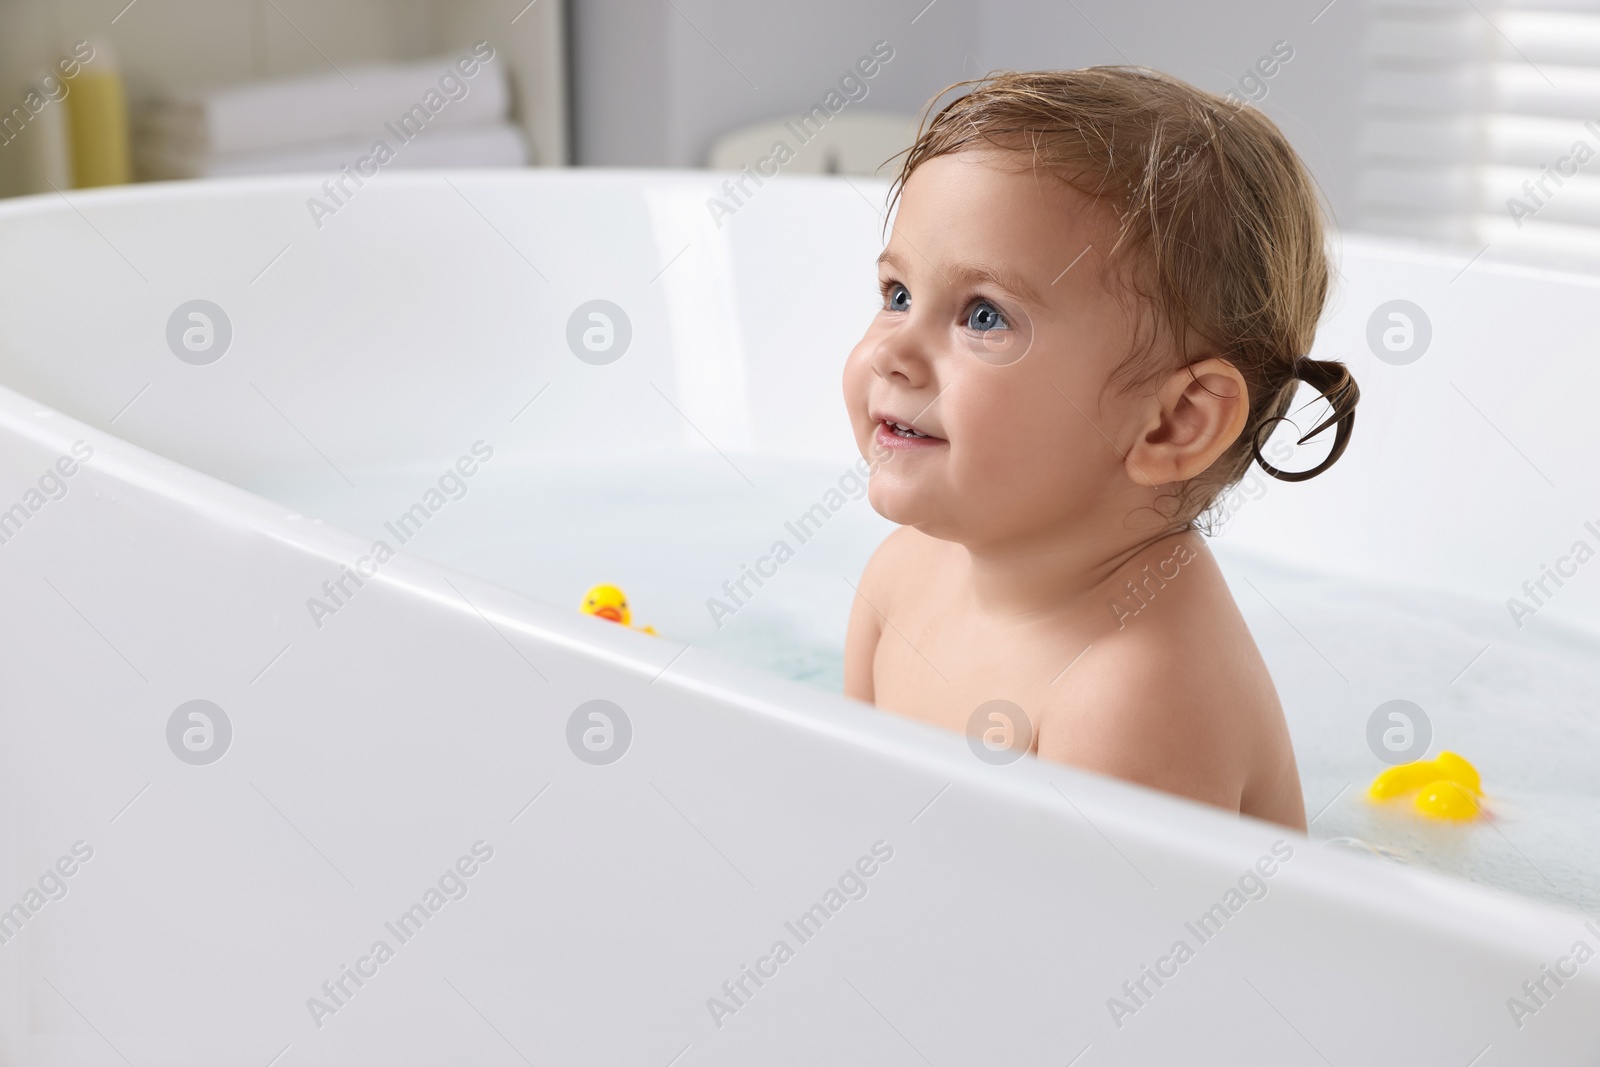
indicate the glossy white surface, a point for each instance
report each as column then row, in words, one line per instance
column 370, row 753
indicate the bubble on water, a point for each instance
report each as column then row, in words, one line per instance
column 1365, row 848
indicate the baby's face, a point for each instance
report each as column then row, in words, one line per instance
column 995, row 342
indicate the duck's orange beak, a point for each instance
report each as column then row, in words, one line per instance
column 609, row 613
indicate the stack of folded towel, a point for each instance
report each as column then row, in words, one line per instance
column 448, row 112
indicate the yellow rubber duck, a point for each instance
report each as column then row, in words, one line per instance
column 610, row 603
column 1447, row 787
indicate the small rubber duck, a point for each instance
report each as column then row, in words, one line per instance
column 610, row 603
column 1447, row 787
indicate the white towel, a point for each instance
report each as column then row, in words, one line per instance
column 498, row 144
column 47, row 152
column 264, row 116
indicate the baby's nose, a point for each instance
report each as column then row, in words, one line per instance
column 901, row 356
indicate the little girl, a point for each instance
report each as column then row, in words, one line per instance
column 1097, row 299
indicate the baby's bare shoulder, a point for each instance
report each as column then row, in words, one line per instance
column 1175, row 704
column 1137, row 680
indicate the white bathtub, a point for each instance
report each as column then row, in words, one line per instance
column 376, row 742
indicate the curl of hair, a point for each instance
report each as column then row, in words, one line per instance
column 1338, row 387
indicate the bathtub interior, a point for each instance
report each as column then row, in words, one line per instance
column 431, row 315
column 370, row 352
column 361, row 360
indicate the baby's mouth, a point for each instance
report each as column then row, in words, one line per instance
column 900, row 429
column 892, row 433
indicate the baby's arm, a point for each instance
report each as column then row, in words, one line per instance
column 860, row 647
column 866, row 625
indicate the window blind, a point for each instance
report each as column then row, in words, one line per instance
column 1481, row 125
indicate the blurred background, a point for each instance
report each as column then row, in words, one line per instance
column 1469, row 123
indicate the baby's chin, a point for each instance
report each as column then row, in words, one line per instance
column 909, row 505
column 893, row 502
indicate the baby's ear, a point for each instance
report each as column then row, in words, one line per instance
column 1195, row 414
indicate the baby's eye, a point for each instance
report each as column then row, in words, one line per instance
column 896, row 297
column 985, row 316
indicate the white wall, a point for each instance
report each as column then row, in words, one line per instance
column 656, row 83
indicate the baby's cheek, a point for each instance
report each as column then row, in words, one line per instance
column 1058, row 446
column 851, row 379
column 854, row 387
column 1030, row 423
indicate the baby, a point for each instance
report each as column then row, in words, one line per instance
column 1097, row 299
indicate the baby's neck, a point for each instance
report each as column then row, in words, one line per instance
column 1041, row 576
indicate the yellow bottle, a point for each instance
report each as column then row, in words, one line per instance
column 97, row 113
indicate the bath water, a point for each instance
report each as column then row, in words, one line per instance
column 753, row 560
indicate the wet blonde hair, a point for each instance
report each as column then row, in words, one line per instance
column 1221, row 230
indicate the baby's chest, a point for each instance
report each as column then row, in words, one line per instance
column 955, row 680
